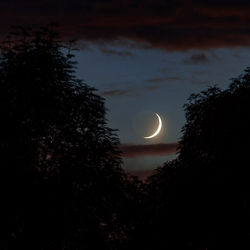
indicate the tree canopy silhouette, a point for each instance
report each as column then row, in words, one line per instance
column 61, row 181
column 202, row 198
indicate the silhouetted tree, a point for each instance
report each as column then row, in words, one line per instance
column 61, row 182
column 202, row 198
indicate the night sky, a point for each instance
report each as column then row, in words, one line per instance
column 146, row 57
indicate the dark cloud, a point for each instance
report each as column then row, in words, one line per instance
column 133, row 150
column 117, row 92
column 196, row 58
column 116, row 52
column 151, row 88
column 132, row 92
column 200, row 73
column 128, row 92
column 163, row 79
column 170, row 25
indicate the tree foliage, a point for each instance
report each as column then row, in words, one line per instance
column 202, row 198
column 61, row 181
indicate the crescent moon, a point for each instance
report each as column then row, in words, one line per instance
column 157, row 130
